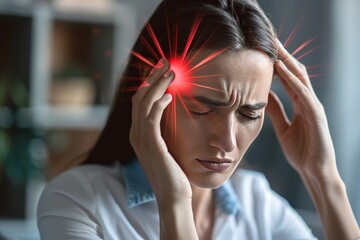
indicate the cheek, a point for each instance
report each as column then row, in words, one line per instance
column 247, row 133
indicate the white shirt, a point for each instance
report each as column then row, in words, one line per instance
column 115, row 202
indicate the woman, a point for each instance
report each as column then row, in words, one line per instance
column 189, row 105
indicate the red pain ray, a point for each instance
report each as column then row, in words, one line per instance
column 201, row 49
column 148, row 47
column 207, row 76
column 180, row 62
column 293, row 33
column 317, row 66
column 302, row 46
column 207, row 59
column 281, row 27
column 186, row 108
column 190, row 38
column 168, row 32
column 154, row 38
column 141, row 66
column 318, row 75
column 174, row 120
column 206, row 87
column 130, row 89
column 307, row 53
column 142, row 58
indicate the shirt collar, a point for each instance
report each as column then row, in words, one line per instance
column 139, row 191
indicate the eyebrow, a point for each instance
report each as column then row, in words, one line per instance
column 211, row 102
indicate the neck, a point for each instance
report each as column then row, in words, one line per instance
column 203, row 206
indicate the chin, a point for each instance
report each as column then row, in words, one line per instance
column 209, row 180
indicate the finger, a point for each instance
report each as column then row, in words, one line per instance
column 303, row 94
column 151, row 130
column 156, row 92
column 287, row 88
column 155, row 115
column 294, row 65
column 277, row 114
column 156, row 73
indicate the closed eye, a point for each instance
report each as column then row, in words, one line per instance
column 250, row 117
column 200, row 113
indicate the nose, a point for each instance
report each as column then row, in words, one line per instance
column 223, row 134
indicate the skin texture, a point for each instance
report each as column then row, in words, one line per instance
column 219, row 131
column 183, row 187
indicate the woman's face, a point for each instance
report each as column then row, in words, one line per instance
column 219, row 116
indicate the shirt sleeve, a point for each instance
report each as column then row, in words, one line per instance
column 284, row 221
column 66, row 209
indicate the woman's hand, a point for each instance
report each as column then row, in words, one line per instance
column 305, row 140
column 167, row 179
column 307, row 144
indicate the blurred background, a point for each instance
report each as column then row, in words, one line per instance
column 60, row 61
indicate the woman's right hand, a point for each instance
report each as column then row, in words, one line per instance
column 166, row 178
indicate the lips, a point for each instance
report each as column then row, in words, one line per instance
column 216, row 164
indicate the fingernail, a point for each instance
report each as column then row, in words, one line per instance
column 167, row 97
column 168, row 73
column 161, row 62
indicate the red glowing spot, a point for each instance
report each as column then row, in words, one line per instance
column 182, row 78
column 187, row 62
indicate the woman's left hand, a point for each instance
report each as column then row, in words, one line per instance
column 305, row 140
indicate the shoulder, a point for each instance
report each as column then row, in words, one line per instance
column 69, row 204
column 82, row 178
column 83, row 174
column 79, row 185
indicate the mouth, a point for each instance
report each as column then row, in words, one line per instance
column 216, row 164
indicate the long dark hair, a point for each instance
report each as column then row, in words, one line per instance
column 233, row 25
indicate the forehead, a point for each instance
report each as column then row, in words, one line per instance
column 241, row 71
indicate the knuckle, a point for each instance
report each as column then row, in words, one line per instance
column 150, row 122
column 158, row 105
column 151, row 74
column 167, row 65
column 305, row 91
column 303, row 68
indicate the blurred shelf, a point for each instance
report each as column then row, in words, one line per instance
column 100, row 42
column 58, row 117
column 46, row 86
column 16, row 9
